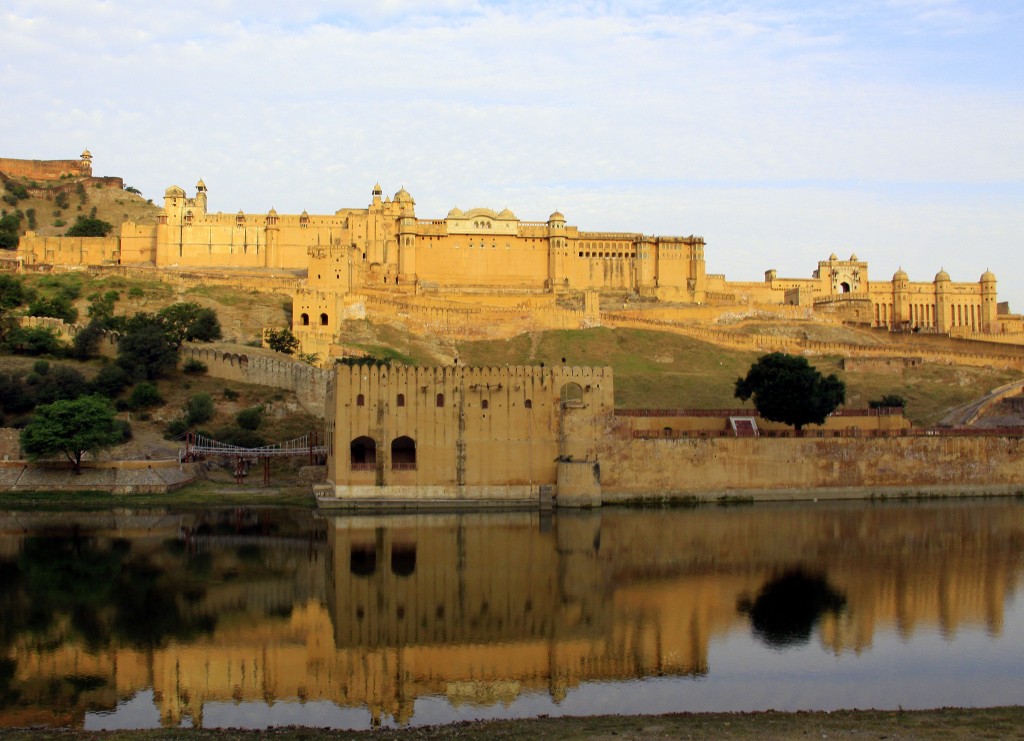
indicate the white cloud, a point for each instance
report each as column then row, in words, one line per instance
column 728, row 119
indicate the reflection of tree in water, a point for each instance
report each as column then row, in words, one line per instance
column 107, row 595
column 788, row 607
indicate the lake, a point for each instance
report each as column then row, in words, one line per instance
column 254, row 618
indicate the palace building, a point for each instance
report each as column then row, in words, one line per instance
column 385, row 249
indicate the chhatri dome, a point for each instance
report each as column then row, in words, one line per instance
column 900, row 275
column 942, row 276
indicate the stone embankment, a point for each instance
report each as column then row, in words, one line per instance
column 116, row 477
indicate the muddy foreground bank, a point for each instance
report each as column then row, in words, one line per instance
column 948, row 723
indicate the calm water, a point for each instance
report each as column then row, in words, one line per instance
column 256, row 618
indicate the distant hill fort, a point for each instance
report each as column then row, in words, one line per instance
column 360, row 260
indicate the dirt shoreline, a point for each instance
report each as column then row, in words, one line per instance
column 945, row 723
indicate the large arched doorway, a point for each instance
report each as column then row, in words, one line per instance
column 363, row 453
column 403, row 453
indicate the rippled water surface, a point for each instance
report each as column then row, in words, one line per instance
column 257, row 618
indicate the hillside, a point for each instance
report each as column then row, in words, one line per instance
column 53, row 206
column 652, row 369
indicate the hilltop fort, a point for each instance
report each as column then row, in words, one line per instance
column 489, row 268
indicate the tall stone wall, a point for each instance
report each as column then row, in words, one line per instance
column 45, row 169
column 308, row 383
column 793, row 468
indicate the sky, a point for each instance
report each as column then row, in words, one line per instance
column 779, row 131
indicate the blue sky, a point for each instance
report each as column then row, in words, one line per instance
column 779, row 131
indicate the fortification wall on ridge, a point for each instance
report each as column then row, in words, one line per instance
column 308, row 383
column 45, row 169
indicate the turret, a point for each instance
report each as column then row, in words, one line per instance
column 989, row 306
column 900, row 307
column 942, row 300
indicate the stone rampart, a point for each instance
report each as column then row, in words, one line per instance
column 995, row 358
column 45, row 169
column 108, row 340
column 308, row 383
column 793, row 468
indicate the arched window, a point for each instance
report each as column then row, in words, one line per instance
column 403, row 453
column 844, row 287
column 305, row 320
column 440, row 400
column 360, row 400
column 363, row 454
column 572, row 393
column 484, row 404
column 528, row 403
column 400, row 400
column 323, row 320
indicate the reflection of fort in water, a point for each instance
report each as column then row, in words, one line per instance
column 484, row 608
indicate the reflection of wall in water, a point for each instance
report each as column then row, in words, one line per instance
column 612, row 595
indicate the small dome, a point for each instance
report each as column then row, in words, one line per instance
column 900, row 275
column 272, row 211
column 556, row 216
column 988, row 277
column 942, row 277
column 832, row 257
column 455, row 213
column 377, row 189
column 174, row 192
column 86, row 154
column 200, row 185
column 403, row 196
column 506, row 214
column 853, row 257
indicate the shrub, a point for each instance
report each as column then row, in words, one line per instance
column 136, row 292
column 889, row 400
column 230, row 394
column 175, row 428
column 41, row 367
column 90, row 227
column 144, row 396
column 194, row 367
column 250, row 419
column 198, row 409
column 234, row 435
column 111, row 380
column 34, row 341
column 58, row 307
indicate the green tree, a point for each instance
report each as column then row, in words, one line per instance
column 12, row 292
column 101, row 306
column 33, row 341
column 59, row 307
column 888, row 401
column 281, row 340
column 71, row 428
column 146, row 350
column 786, row 388
column 88, row 226
column 187, row 321
column 10, row 227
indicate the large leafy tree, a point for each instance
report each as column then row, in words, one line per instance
column 147, row 350
column 186, row 321
column 87, row 226
column 71, row 428
column 786, row 388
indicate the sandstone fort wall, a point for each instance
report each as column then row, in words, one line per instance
column 45, row 169
column 308, row 383
column 787, row 468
